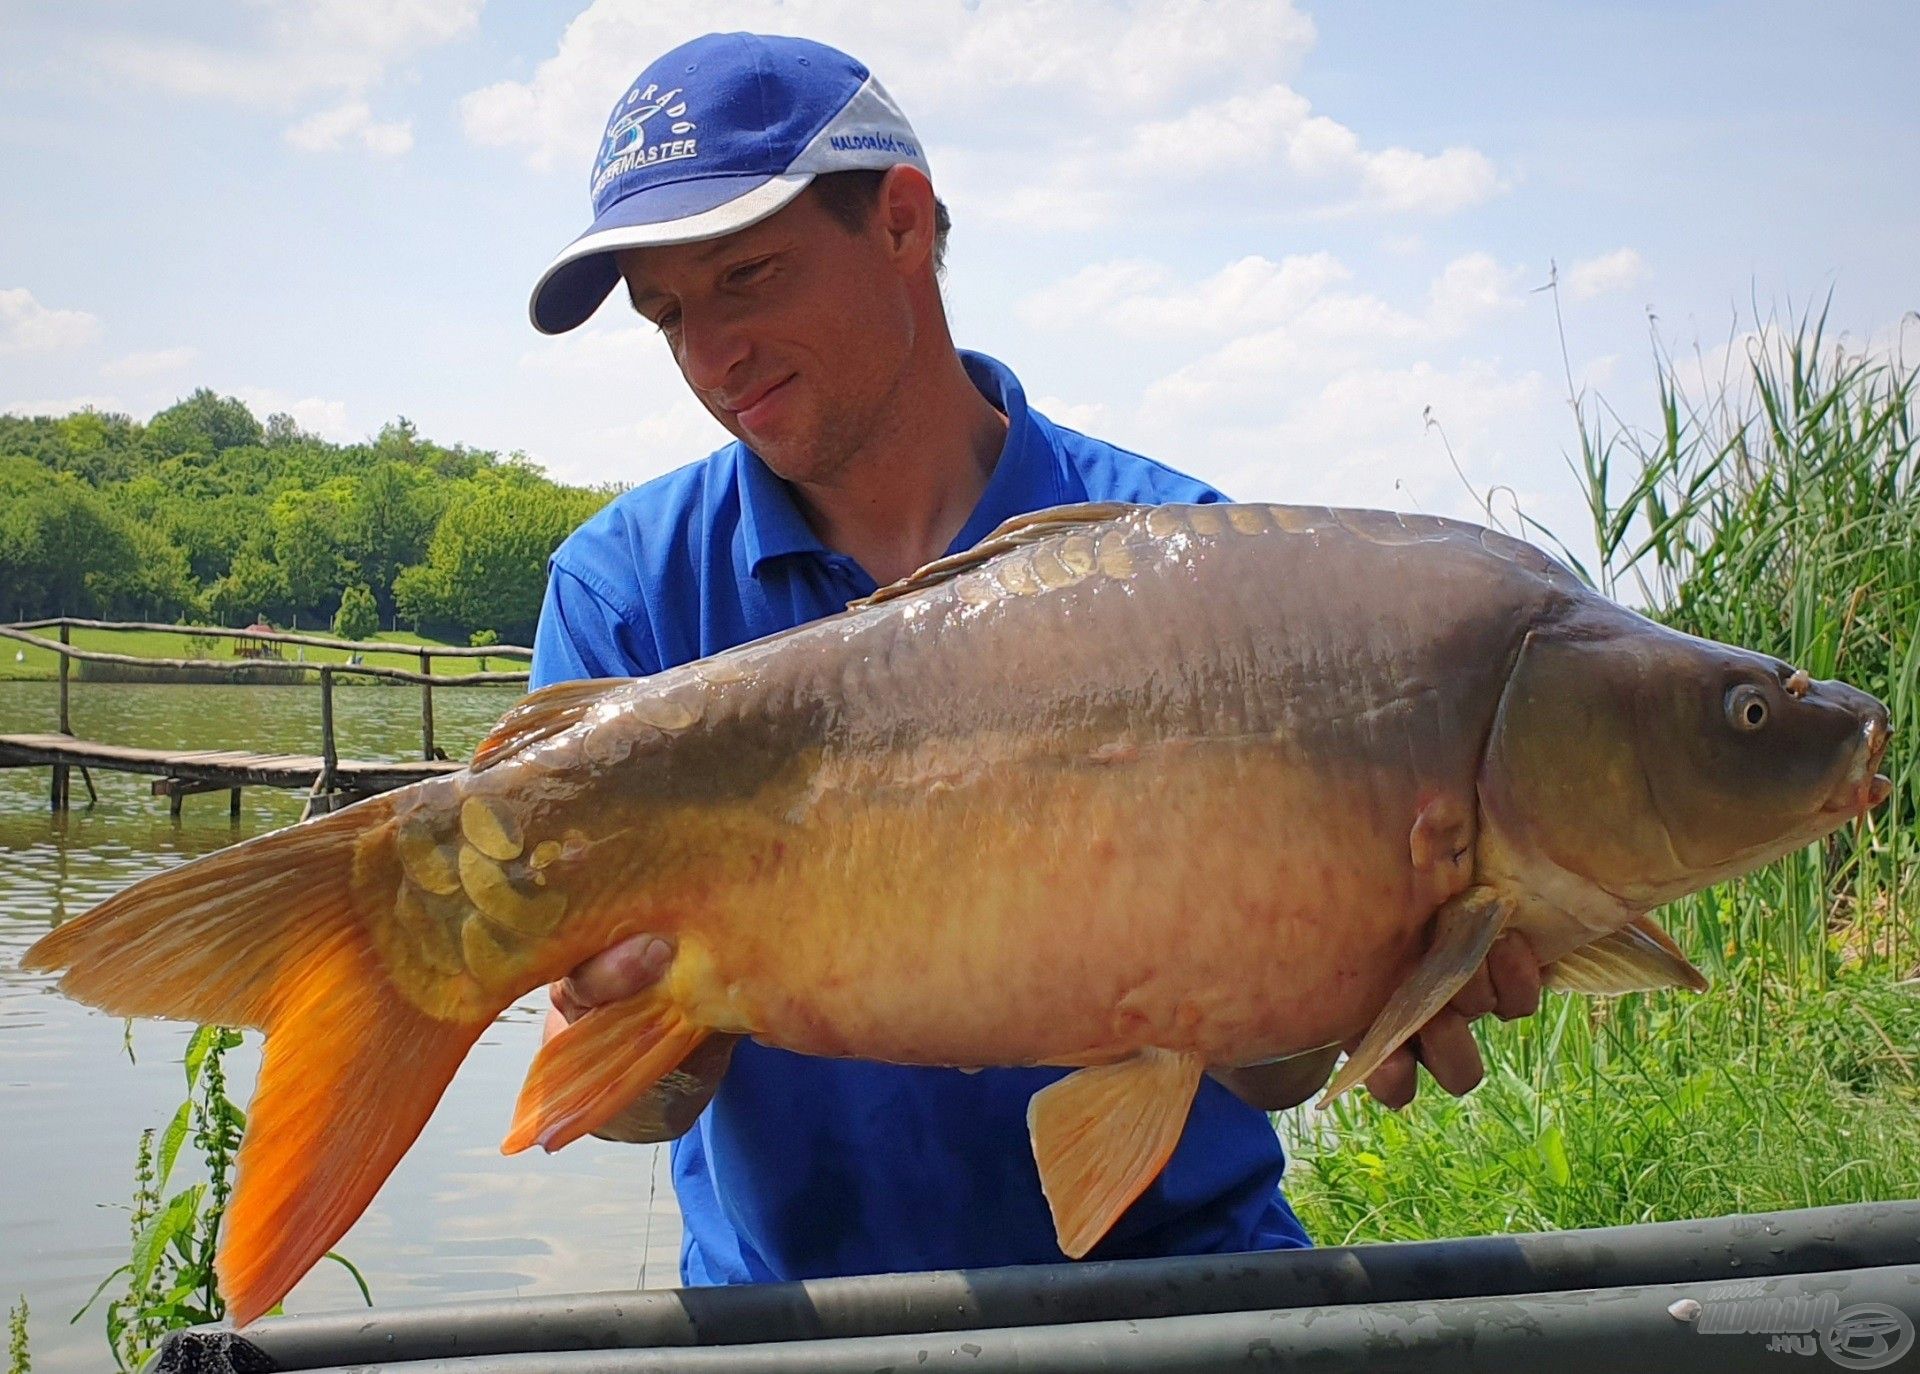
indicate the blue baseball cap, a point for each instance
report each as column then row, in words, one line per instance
column 715, row 136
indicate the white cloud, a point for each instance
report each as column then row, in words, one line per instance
column 353, row 121
column 1615, row 271
column 1185, row 89
column 315, row 414
column 1299, row 297
column 298, row 50
column 28, row 327
column 1251, row 132
column 159, row 362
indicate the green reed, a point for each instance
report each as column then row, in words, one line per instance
column 1771, row 504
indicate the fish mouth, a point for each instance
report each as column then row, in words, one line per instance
column 1864, row 786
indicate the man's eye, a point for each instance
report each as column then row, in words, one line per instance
column 747, row 272
column 668, row 322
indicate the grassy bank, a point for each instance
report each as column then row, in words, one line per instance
column 1780, row 512
column 24, row 663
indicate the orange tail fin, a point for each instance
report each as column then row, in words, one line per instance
column 279, row 934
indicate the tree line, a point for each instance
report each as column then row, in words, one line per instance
column 205, row 513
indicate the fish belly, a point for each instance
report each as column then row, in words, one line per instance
column 1207, row 897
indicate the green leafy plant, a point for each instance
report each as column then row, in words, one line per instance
column 170, row 1281
column 19, row 1361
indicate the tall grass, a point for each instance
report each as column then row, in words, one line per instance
column 1773, row 503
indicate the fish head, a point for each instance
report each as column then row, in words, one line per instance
column 1653, row 763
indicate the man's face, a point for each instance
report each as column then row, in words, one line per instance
column 794, row 333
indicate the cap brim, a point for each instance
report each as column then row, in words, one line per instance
column 576, row 282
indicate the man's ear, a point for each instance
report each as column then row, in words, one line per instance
column 907, row 218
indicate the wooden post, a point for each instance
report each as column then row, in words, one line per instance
column 426, row 707
column 62, row 779
column 66, row 721
column 233, row 806
column 329, row 755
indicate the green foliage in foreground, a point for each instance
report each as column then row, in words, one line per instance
column 19, row 1361
column 205, row 513
column 170, row 1281
column 1780, row 510
column 1606, row 1115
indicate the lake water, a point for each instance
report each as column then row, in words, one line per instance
column 456, row 1220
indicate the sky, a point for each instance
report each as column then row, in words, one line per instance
column 1294, row 249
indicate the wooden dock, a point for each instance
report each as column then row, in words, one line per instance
column 330, row 781
column 181, row 773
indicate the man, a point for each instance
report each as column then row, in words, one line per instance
column 771, row 212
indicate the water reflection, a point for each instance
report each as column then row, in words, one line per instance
column 456, row 1220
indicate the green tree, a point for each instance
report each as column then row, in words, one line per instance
column 358, row 616
column 486, row 566
column 204, row 423
column 386, row 524
column 254, row 585
column 309, row 534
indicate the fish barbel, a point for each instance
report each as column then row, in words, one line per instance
column 1137, row 791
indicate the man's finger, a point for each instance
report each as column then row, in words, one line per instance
column 1514, row 974
column 1477, row 997
column 1393, row 1083
column 1447, row 1048
column 627, row 968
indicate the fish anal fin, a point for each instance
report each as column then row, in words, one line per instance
column 594, row 1069
column 1636, row 958
column 542, row 714
column 1101, row 1135
column 1010, row 534
column 1463, row 931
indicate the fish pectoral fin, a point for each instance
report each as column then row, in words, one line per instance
column 595, row 1068
column 1101, row 1135
column 541, row 714
column 1009, row 534
column 1463, row 931
column 1636, row 958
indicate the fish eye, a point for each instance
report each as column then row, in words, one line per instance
column 1746, row 707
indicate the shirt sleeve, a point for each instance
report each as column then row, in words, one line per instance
column 581, row 636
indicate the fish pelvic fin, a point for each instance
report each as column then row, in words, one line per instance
column 274, row 934
column 1101, row 1135
column 542, row 714
column 1463, row 931
column 1638, row 957
column 595, row 1068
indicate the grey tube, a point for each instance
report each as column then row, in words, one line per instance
column 1800, row 1242
column 1605, row 1332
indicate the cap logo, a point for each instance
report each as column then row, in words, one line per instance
column 626, row 146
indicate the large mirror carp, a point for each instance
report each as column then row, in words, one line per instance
column 1137, row 791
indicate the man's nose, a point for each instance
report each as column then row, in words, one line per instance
column 712, row 344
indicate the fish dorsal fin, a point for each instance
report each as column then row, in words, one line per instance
column 1011, row 534
column 541, row 714
column 1636, row 958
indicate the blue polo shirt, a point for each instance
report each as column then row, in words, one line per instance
column 806, row 1168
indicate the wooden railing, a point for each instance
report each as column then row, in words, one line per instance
column 425, row 677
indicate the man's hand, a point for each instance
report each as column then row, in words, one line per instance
column 1507, row 984
column 670, row 1108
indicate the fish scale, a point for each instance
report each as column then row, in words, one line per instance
column 1142, row 792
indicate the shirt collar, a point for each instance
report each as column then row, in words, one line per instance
column 1026, row 477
